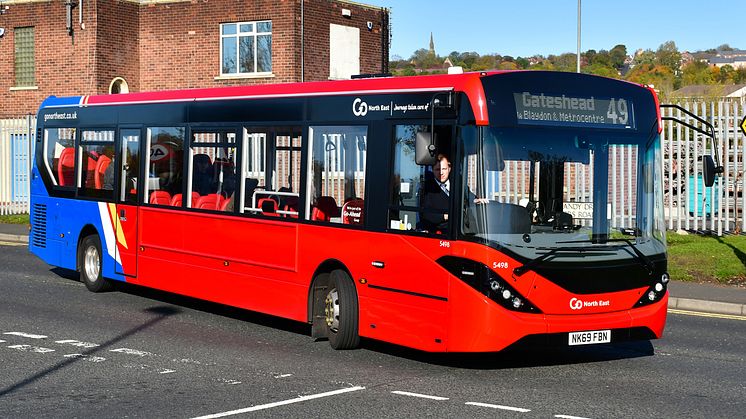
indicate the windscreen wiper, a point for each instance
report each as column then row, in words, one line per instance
column 639, row 256
column 552, row 252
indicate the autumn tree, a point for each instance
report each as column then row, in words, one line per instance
column 668, row 55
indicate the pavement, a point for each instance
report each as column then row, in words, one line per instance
column 689, row 296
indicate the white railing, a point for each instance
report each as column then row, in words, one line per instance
column 15, row 163
column 688, row 204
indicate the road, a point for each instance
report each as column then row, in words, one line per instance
column 66, row 352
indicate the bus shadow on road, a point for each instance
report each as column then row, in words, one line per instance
column 222, row 310
column 199, row 305
column 521, row 356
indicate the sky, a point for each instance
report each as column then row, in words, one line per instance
column 529, row 27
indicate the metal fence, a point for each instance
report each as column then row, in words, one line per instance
column 16, row 149
column 688, row 205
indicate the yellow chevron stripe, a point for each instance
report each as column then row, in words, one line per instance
column 117, row 226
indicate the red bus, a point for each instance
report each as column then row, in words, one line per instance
column 460, row 213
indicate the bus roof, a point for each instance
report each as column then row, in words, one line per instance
column 469, row 83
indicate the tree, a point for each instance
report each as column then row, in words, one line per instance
column 696, row 72
column 601, row 70
column 727, row 74
column 644, row 57
column 668, row 55
column 566, row 62
column 659, row 76
column 589, row 56
column 618, row 55
column 522, row 62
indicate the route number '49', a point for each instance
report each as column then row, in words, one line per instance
column 499, row 265
column 618, row 111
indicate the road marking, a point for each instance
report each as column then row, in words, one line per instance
column 78, row 343
column 88, row 358
column 701, row 314
column 25, row 335
column 283, row 375
column 569, row 417
column 5, row 243
column 282, row 403
column 3, row 341
column 37, row 349
column 227, row 381
column 501, row 407
column 129, row 351
column 167, row 371
column 423, row 396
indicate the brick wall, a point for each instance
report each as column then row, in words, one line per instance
column 318, row 15
column 117, row 44
column 169, row 45
column 64, row 65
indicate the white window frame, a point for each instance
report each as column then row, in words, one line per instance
column 255, row 34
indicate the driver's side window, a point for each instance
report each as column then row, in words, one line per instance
column 420, row 198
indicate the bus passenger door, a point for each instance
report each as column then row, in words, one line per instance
column 126, row 207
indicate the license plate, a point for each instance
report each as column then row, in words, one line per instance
column 589, row 338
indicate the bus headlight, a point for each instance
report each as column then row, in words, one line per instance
column 655, row 292
column 486, row 281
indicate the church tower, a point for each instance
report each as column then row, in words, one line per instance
column 432, row 44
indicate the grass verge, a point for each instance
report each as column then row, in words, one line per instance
column 707, row 258
column 14, row 219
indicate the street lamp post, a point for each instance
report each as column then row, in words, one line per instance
column 578, row 69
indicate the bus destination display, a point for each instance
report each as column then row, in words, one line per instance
column 571, row 111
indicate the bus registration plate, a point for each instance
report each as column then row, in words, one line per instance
column 589, row 338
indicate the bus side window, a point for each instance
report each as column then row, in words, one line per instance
column 337, row 174
column 59, row 155
column 97, row 171
column 165, row 159
column 212, row 170
column 271, row 172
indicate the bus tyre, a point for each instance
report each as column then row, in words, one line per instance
column 341, row 311
column 90, row 265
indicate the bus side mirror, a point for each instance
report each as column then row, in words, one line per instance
column 425, row 151
column 708, row 171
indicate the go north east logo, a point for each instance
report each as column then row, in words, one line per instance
column 360, row 108
column 577, row 304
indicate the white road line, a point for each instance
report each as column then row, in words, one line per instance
column 88, row 358
column 281, row 403
column 25, row 335
column 129, row 351
column 501, row 407
column 167, row 371
column 711, row 315
column 37, row 349
column 283, row 375
column 229, row 381
column 78, row 343
column 569, row 417
column 3, row 341
column 423, row 396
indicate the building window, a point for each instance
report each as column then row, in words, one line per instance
column 118, row 85
column 24, row 47
column 246, row 48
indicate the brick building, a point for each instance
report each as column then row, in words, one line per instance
column 72, row 47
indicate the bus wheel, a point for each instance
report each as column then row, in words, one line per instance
column 341, row 311
column 90, row 265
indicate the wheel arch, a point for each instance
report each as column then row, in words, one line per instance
column 317, row 293
column 86, row 231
